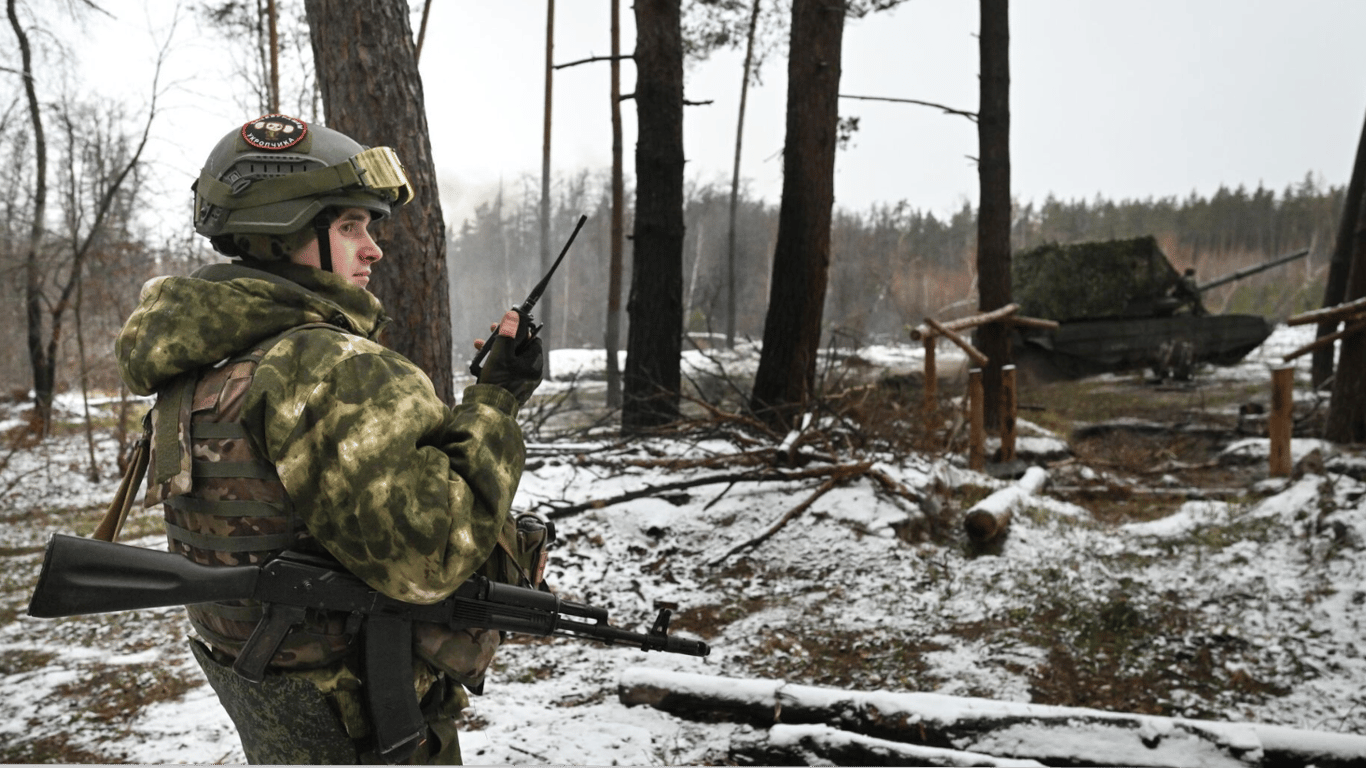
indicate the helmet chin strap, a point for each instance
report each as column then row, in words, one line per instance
column 322, row 225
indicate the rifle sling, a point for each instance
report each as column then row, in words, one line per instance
column 109, row 527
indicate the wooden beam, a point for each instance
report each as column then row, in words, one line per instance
column 1329, row 314
column 1352, row 327
column 973, row 353
column 963, row 323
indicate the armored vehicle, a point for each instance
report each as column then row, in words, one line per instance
column 1121, row 305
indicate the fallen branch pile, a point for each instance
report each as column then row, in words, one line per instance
column 806, row 725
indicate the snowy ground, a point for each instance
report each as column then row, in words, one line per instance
column 1249, row 609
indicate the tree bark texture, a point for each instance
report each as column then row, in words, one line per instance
column 44, row 373
column 367, row 71
column 1336, row 286
column 547, row 303
column 655, row 306
column 731, row 288
column 616, row 246
column 993, row 218
column 801, row 258
column 1346, row 421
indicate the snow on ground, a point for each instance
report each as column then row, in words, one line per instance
column 1269, row 587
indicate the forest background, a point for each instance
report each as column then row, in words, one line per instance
column 891, row 264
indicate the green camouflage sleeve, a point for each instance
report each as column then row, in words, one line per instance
column 407, row 493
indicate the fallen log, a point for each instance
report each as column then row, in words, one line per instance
column 989, row 517
column 1049, row 734
column 823, row 745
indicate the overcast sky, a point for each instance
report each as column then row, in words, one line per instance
column 1108, row 97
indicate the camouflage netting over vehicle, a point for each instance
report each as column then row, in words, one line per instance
column 1113, row 278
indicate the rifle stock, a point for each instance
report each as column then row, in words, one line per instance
column 82, row 576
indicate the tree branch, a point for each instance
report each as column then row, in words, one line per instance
column 949, row 110
column 729, row 477
column 591, row 59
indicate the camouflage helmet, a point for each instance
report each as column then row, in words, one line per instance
column 273, row 176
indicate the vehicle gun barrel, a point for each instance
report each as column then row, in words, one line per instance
column 1252, row 270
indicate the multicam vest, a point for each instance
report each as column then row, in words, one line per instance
column 225, row 505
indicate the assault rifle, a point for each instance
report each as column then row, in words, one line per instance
column 82, row 576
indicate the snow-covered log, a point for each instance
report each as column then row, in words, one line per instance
column 989, row 517
column 823, row 745
column 1049, row 734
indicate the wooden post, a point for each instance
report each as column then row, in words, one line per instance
column 1009, row 403
column 931, row 385
column 1280, row 421
column 977, row 452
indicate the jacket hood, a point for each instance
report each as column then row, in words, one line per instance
column 185, row 323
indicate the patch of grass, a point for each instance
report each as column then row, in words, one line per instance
column 1118, row 505
column 838, row 658
column 18, row 662
column 118, row 693
column 1131, row 651
column 55, row 749
column 708, row 621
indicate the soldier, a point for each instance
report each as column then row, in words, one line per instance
column 281, row 423
column 1187, row 291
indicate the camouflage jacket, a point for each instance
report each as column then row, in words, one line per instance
column 407, row 493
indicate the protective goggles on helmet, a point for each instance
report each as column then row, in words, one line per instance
column 376, row 171
column 381, row 172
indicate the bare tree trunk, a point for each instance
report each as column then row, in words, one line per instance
column 94, row 473
column 993, row 218
column 1336, row 287
column 654, row 341
column 274, row 92
column 372, row 91
column 731, row 307
column 548, row 302
column 613, row 339
column 43, row 373
column 422, row 29
column 1346, row 422
column 801, row 260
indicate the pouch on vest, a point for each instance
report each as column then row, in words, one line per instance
column 519, row 559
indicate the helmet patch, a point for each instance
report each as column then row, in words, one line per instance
column 274, row 132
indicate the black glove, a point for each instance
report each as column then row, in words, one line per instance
column 513, row 362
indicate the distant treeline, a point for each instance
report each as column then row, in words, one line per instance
column 890, row 266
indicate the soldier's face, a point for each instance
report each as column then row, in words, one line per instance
column 354, row 251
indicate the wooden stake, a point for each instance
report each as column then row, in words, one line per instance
column 977, row 451
column 1009, row 403
column 931, row 385
column 1280, row 422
